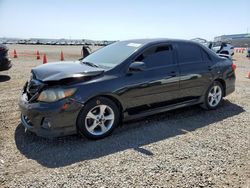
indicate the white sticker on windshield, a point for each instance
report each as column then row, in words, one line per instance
column 136, row 45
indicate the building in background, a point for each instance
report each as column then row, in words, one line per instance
column 237, row 40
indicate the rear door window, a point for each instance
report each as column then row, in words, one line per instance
column 188, row 53
column 157, row 56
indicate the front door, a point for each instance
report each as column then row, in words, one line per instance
column 159, row 81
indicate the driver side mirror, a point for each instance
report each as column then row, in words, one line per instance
column 137, row 66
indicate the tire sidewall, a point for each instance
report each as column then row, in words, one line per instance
column 81, row 127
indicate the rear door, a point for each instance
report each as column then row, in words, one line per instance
column 195, row 73
column 159, row 81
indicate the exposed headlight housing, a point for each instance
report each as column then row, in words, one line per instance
column 53, row 95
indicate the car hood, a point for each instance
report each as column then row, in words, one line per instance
column 62, row 70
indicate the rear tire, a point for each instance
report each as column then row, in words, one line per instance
column 213, row 96
column 98, row 118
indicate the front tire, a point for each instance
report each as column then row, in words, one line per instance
column 213, row 96
column 98, row 118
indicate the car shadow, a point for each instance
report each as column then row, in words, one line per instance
column 4, row 78
column 132, row 135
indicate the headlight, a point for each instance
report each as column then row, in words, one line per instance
column 52, row 95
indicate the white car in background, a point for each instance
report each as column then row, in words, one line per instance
column 223, row 49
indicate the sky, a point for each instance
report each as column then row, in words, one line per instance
column 120, row 20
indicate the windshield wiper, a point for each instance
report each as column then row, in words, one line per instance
column 90, row 64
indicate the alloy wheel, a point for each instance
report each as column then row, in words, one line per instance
column 99, row 120
column 214, row 96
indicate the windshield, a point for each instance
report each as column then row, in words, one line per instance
column 112, row 55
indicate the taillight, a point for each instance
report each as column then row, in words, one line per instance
column 234, row 67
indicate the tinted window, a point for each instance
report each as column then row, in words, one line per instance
column 157, row 56
column 189, row 53
column 205, row 55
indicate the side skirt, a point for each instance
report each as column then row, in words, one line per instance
column 149, row 112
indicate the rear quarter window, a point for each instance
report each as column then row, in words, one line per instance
column 188, row 53
column 205, row 55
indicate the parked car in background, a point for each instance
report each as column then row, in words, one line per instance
column 5, row 62
column 248, row 52
column 122, row 81
column 223, row 49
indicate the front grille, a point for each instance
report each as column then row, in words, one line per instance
column 27, row 120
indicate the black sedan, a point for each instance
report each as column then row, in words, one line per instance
column 5, row 62
column 122, row 81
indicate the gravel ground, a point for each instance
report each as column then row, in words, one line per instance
column 187, row 147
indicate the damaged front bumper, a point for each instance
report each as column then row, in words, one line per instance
column 50, row 119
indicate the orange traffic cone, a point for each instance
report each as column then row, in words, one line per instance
column 15, row 54
column 62, row 56
column 44, row 59
column 248, row 76
column 37, row 55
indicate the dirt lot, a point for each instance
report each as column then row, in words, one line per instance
column 188, row 147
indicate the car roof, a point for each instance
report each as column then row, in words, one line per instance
column 158, row 40
column 148, row 42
